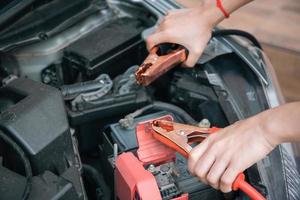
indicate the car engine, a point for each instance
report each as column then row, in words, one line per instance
column 74, row 124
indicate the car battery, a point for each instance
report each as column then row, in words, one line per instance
column 141, row 157
column 125, row 139
column 156, row 171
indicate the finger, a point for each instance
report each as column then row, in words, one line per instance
column 196, row 153
column 160, row 20
column 158, row 29
column 176, row 11
column 152, row 40
column 166, row 26
column 193, row 57
column 227, row 179
column 217, row 170
column 158, row 38
column 203, row 165
column 171, row 12
column 160, row 25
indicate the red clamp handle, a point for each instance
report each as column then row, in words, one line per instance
column 241, row 184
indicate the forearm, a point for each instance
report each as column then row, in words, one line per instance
column 281, row 124
column 216, row 14
column 232, row 5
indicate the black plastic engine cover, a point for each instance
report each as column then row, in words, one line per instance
column 118, row 43
column 34, row 116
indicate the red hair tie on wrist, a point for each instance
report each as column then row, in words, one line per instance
column 220, row 6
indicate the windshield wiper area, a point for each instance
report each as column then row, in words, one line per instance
column 31, row 21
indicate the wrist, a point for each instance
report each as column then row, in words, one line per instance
column 270, row 130
column 211, row 12
column 226, row 7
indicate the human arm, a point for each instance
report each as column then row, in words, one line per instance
column 219, row 158
column 192, row 27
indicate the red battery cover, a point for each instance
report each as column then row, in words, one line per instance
column 131, row 178
column 150, row 150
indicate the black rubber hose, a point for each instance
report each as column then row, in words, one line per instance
column 25, row 160
column 158, row 105
column 97, row 178
column 234, row 32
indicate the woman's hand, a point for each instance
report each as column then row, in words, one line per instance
column 222, row 156
column 190, row 28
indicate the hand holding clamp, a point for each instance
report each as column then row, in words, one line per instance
column 179, row 137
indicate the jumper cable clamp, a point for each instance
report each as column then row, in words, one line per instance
column 161, row 59
column 179, row 137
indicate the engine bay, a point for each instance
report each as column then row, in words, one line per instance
column 71, row 103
